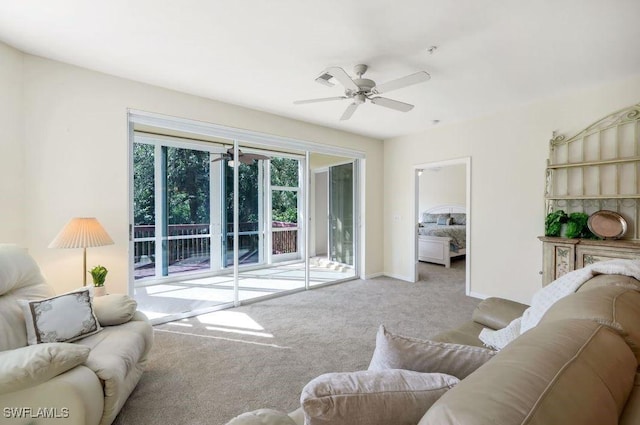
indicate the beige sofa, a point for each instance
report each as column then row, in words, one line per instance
column 81, row 382
column 578, row 366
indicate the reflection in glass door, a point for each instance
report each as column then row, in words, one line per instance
column 341, row 214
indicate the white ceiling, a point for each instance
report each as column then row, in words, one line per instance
column 492, row 54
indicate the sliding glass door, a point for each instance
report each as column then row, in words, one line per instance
column 203, row 240
column 172, row 228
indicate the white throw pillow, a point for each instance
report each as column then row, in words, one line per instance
column 32, row 365
column 262, row 417
column 372, row 397
column 114, row 309
column 401, row 352
column 63, row 318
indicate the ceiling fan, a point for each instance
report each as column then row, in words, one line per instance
column 362, row 89
column 245, row 158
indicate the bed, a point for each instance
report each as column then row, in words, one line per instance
column 442, row 232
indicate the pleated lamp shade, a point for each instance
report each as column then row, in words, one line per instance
column 81, row 232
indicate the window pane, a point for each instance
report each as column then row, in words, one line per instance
column 248, row 210
column 284, row 172
column 284, row 205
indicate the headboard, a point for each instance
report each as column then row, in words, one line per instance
column 444, row 209
column 447, row 208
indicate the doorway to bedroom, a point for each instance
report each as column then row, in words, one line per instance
column 442, row 216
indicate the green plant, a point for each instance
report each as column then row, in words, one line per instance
column 553, row 223
column 577, row 226
column 99, row 274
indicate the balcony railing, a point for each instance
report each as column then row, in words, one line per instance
column 189, row 246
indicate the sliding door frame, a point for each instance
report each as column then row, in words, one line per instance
column 142, row 119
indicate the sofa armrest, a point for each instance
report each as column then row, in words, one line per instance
column 497, row 313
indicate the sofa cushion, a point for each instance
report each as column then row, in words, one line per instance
column 384, row 397
column 497, row 313
column 63, row 318
column 20, row 278
column 32, row 365
column 262, row 417
column 615, row 306
column 114, row 309
column 401, row 352
column 562, row 372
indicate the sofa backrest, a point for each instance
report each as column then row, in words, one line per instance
column 560, row 372
column 20, row 279
column 615, row 306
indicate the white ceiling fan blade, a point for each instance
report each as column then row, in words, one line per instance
column 393, row 104
column 349, row 111
column 253, row 157
column 409, row 80
column 342, row 77
column 322, row 99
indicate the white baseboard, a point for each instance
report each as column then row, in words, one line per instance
column 399, row 277
column 478, row 295
column 373, row 275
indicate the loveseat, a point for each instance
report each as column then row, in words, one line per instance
column 578, row 366
column 84, row 380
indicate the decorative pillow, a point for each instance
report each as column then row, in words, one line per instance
column 34, row 364
column 459, row 218
column 262, row 417
column 401, row 352
column 63, row 318
column 372, row 397
column 114, row 309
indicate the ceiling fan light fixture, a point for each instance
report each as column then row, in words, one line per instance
column 231, row 163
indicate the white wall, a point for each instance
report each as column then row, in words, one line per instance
column 75, row 138
column 442, row 185
column 12, row 185
column 508, row 154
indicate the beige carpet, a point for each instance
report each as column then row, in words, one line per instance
column 208, row 369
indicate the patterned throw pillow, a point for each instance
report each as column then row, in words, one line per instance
column 63, row 318
column 445, row 221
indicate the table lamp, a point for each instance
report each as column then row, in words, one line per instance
column 82, row 232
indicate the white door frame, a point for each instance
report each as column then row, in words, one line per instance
column 416, row 205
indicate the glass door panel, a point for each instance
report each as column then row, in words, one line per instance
column 187, row 236
column 249, row 211
column 144, row 213
column 341, row 214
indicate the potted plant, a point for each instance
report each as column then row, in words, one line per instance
column 574, row 225
column 99, row 274
column 553, row 223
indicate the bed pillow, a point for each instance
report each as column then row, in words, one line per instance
column 372, row 397
column 401, row 352
column 445, row 221
column 63, row 318
column 459, row 218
